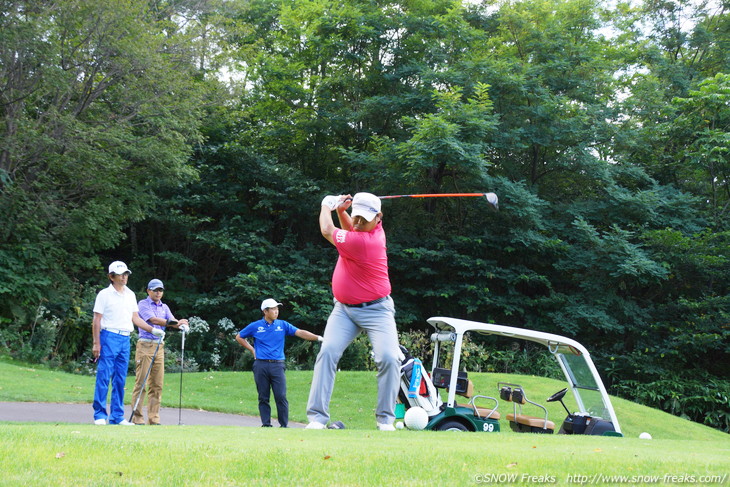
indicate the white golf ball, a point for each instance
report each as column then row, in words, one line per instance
column 416, row 418
column 645, row 436
column 399, row 425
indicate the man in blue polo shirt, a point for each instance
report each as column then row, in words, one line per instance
column 268, row 353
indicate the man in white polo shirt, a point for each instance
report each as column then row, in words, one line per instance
column 115, row 310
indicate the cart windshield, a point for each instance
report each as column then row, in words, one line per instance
column 584, row 384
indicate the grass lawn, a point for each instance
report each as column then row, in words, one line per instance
column 61, row 454
column 203, row 455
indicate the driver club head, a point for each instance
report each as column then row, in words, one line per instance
column 337, row 425
column 492, row 200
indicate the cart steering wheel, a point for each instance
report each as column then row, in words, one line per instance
column 557, row 396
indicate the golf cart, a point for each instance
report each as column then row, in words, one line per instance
column 595, row 415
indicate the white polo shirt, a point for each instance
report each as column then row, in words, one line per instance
column 116, row 308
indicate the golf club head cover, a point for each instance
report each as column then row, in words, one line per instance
column 416, row 377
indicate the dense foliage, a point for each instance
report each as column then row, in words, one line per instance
column 195, row 139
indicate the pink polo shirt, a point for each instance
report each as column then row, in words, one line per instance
column 361, row 273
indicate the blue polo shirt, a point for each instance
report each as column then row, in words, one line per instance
column 268, row 337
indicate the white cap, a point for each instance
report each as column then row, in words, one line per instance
column 366, row 205
column 118, row 267
column 269, row 303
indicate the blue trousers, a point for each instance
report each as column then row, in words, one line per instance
column 113, row 364
column 270, row 376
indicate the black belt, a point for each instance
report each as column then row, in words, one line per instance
column 266, row 360
column 362, row 305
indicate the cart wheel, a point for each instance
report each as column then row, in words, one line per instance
column 451, row 426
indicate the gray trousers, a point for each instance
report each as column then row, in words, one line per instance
column 343, row 325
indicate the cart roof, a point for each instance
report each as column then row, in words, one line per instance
column 555, row 343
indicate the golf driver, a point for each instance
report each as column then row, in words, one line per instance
column 492, row 198
column 144, row 382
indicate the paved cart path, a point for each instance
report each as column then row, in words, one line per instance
column 82, row 413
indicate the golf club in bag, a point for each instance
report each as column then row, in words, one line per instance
column 182, row 366
column 144, row 382
column 416, row 388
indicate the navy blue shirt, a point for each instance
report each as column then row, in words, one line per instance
column 268, row 337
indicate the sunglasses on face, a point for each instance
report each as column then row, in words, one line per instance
column 158, row 290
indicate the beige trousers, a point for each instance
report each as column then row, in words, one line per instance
column 142, row 358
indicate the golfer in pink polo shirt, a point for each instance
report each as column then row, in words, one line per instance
column 361, row 289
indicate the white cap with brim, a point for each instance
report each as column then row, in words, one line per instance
column 366, row 205
column 269, row 303
column 118, row 267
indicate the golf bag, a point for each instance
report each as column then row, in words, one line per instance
column 416, row 388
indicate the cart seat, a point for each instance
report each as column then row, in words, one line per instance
column 468, row 391
column 523, row 423
column 531, row 421
column 482, row 412
column 465, row 388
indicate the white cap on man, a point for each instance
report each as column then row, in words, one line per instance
column 118, row 267
column 366, row 205
column 269, row 303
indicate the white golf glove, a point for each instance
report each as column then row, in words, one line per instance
column 319, row 338
column 184, row 328
column 158, row 333
column 330, row 202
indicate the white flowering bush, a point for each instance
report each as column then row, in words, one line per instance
column 208, row 346
column 226, row 325
column 198, row 325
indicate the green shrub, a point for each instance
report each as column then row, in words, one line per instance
column 34, row 342
column 705, row 401
column 172, row 361
column 357, row 355
column 418, row 344
column 85, row 365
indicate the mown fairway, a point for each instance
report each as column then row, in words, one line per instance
column 43, row 454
